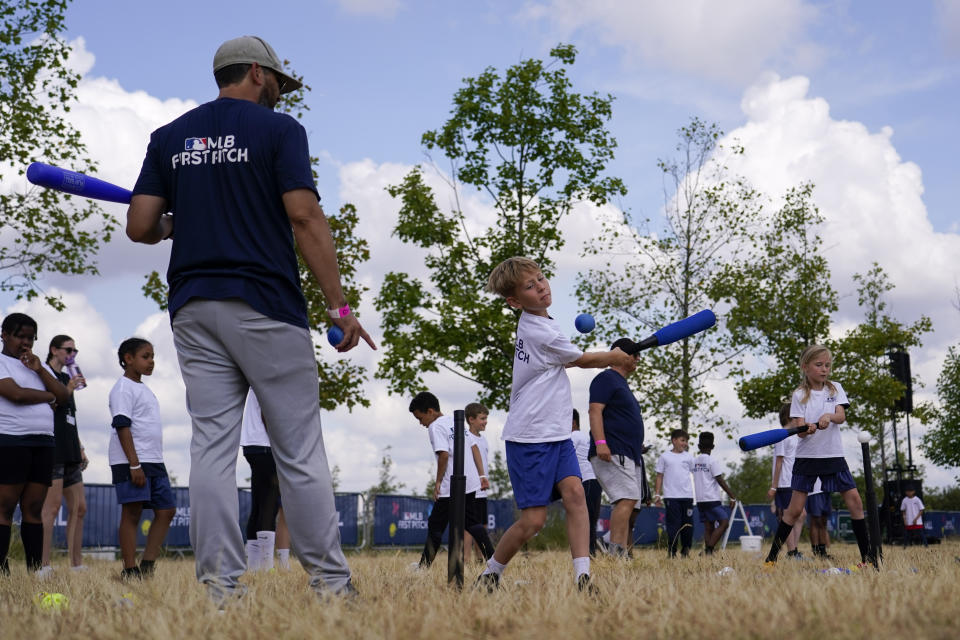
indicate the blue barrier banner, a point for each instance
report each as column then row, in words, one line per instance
column 103, row 517
column 400, row 520
column 651, row 523
column 500, row 515
column 348, row 515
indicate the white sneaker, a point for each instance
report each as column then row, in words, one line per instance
column 80, row 568
column 43, row 573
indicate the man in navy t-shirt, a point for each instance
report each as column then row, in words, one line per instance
column 617, row 429
column 237, row 177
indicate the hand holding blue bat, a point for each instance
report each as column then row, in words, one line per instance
column 772, row 436
column 676, row 331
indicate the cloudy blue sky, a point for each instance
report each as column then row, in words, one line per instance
column 860, row 98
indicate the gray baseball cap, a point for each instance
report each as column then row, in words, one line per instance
column 250, row 49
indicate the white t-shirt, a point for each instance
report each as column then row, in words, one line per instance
column 788, row 449
column 825, row 443
column 481, row 443
column 137, row 402
column 23, row 419
column 913, row 506
column 706, row 468
column 540, row 403
column 441, row 439
column 676, row 469
column 253, row 433
column 581, row 442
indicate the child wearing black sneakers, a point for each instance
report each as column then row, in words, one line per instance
column 820, row 404
column 136, row 459
column 707, row 482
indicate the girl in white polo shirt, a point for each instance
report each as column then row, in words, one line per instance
column 28, row 395
column 820, row 403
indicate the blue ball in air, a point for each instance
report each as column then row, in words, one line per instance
column 584, row 323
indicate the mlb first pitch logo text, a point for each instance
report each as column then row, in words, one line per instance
column 209, row 150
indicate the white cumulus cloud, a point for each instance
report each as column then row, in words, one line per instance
column 726, row 41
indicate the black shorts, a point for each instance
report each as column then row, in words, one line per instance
column 480, row 508
column 20, row 465
column 70, row 473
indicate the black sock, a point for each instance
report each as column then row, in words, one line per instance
column 860, row 531
column 822, row 550
column 147, row 567
column 32, row 535
column 4, row 548
column 783, row 530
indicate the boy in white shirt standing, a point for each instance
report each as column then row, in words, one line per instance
column 476, row 416
column 707, row 482
column 912, row 509
column 540, row 455
column 426, row 409
column 673, row 478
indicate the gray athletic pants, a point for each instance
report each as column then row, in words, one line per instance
column 225, row 347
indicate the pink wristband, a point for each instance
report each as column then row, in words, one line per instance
column 601, row 442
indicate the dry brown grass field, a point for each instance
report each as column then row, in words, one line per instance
column 915, row 595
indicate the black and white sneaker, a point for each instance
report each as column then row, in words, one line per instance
column 488, row 582
column 585, row 585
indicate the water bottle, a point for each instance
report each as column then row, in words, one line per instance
column 73, row 371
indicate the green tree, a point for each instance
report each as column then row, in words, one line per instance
column 657, row 274
column 942, row 499
column 499, row 478
column 536, row 148
column 431, row 484
column 781, row 300
column 335, row 477
column 44, row 231
column 386, row 480
column 750, row 478
column 941, row 442
column 861, row 361
column 342, row 383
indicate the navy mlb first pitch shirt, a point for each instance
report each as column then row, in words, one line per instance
column 223, row 168
column 622, row 421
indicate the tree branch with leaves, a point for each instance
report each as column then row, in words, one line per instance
column 43, row 231
column 660, row 272
column 536, row 149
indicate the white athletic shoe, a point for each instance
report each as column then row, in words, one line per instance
column 414, row 567
column 80, row 568
column 43, row 573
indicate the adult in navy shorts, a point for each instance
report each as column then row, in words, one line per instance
column 238, row 177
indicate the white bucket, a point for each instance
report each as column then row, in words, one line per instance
column 751, row 543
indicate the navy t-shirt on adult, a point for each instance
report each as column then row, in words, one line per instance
column 622, row 422
column 223, row 168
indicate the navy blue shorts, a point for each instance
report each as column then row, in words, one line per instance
column 712, row 512
column 155, row 494
column 782, row 499
column 818, row 504
column 839, row 482
column 536, row 468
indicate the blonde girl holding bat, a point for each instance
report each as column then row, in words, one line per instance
column 821, row 404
